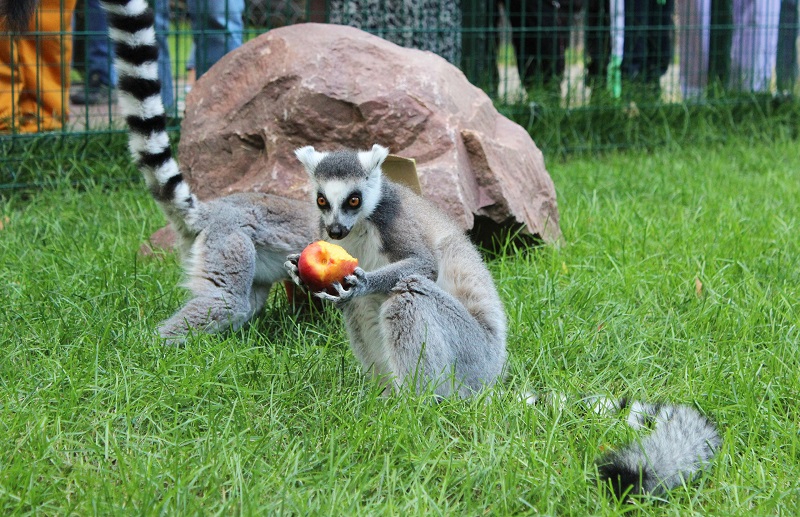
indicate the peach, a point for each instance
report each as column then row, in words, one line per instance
column 322, row 263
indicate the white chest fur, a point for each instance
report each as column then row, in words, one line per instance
column 364, row 243
column 362, row 314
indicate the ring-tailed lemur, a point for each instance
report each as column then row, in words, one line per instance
column 234, row 247
column 423, row 310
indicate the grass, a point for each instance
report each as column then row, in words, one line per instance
column 678, row 279
column 639, row 120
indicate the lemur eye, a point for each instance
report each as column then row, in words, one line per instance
column 321, row 201
column 354, row 201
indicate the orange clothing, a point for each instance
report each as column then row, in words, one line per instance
column 34, row 70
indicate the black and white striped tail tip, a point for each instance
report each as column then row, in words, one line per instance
column 132, row 28
column 681, row 446
column 621, row 482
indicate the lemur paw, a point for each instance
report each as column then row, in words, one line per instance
column 291, row 268
column 358, row 278
column 356, row 286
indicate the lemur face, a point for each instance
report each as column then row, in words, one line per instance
column 346, row 185
column 341, row 205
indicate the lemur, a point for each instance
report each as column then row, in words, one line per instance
column 422, row 308
column 233, row 247
column 423, row 311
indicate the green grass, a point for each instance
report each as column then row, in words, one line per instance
column 639, row 120
column 97, row 417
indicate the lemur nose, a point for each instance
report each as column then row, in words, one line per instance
column 337, row 231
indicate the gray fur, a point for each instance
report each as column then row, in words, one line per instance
column 681, row 445
column 233, row 247
column 237, row 254
column 339, row 165
column 422, row 309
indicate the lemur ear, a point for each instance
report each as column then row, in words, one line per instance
column 373, row 159
column 309, row 158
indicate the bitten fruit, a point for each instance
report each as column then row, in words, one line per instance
column 322, row 263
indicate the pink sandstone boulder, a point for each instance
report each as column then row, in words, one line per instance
column 332, row 86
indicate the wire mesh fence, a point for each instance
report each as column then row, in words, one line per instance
column 579, row 74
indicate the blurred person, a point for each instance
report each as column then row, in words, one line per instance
column 647, row 46
column 754, row 44
column 217, row 28
column 540, row 37
column 101, row 78
column 786, row 65
column 648, row 40
column 34, row 67
column 694, row 49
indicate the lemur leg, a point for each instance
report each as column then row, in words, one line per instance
column 432, row 338
column 258, row 298
column 362, row 320
column 221, row 272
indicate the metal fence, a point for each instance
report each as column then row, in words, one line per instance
column 556, row 66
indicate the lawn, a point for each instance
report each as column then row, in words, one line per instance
column 678, row 280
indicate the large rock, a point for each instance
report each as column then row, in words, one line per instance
column 332, row 86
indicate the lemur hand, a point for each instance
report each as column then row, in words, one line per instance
column 291, row 268
column 357, row 285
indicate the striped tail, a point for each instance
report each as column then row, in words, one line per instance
column 680, row 446
column 132, row 28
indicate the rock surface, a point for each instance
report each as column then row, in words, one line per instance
column 332, row 86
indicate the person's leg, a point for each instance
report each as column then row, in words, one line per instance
column 99, row 47
column 720, row 41
column 534, row 37
column 10, row 80
column 164, row 65
column 479, row 46
column 218, row 26
column 660, row 42
column 766, row 43
column 695, row 16
column 45, row 60
column 597, row 45
column 547, row 52
column 635, row 46
column 786, row 64
column 100, row 74
column 754, row 45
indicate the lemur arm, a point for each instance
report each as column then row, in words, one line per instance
column 382, row 280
